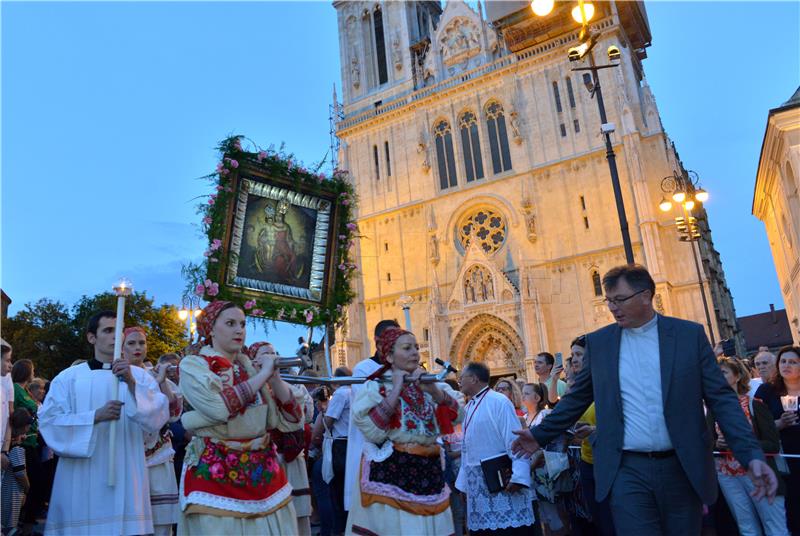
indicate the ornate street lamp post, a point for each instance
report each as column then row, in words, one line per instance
column 582, row 14
column 684, row 191
column 190, row 310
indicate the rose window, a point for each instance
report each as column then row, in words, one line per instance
column 486, row 226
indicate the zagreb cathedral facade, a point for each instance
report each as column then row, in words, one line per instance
column 485, row 199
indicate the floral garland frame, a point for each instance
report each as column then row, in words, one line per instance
column 206, row 280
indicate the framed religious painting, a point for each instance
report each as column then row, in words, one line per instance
column 280, row 238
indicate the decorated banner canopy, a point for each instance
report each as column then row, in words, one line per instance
column 280, row 238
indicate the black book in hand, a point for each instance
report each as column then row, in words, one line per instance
column 496, row 472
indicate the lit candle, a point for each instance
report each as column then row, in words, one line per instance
column 122, row 290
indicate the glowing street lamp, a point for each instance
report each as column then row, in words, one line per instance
column 542, row 8
column 687, row 193
column 582, row 13
column 189, row 315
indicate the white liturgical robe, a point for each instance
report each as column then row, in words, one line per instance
column 355, row 439
column 489, row 419
column 82, row 501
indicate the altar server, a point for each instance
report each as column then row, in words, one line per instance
column 75, row 421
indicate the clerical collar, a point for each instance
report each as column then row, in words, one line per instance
column 94, row 364
column 647, row 326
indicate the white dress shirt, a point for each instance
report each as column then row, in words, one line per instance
column 339, row 411
column 640, row 388
column 355, row 439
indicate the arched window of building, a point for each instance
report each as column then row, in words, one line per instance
column 471, row 145
column 445, row 159
column 380, row 44
column 498, row 137
column 596, row 283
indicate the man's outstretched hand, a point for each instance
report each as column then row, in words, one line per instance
column 525, row 444
column 766, row 483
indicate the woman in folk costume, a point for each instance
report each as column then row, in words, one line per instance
column 401, row 482
column 290, row 447
column 158, row 449
column 232, row 482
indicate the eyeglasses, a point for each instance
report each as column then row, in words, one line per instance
column 620, row 301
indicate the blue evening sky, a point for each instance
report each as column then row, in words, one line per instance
column 111, row 110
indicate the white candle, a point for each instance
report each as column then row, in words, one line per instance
column 122, row 290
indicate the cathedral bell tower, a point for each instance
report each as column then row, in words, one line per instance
column 381, row 45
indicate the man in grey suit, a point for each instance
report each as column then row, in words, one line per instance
column 649, row 376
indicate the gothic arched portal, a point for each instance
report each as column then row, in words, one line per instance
column 492, row 341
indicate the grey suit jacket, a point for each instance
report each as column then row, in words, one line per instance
column 689, row 376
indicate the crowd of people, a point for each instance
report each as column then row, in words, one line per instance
column 634, row 432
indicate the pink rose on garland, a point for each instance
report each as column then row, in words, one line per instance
column 261, row 155
column 207, row 220
column 309, row 315
column 257, row 312
column 220, row 167
column 345, row 202
column 212, row 289
column 352, row 227
column 212, row 200
column 216, row 244
column 234, row 164
column 200, row 290
column 249, row 304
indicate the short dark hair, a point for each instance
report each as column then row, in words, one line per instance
column 636, row 276
column 20, row 418
column 22, row 371
column 94, row 320
column 383, row 325
column 548, row 357
column 321, row 393
column 342, row 371
column 580, row 340
column 479, row 370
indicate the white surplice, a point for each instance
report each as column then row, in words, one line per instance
column 355, row 438
column 82, row 501
column 489, row 419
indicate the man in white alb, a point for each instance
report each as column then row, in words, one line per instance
column 355, row 439
column 489, row 421
column 75, row 421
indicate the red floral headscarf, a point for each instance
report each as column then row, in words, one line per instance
column 253, row 350
column 132, row 329
column 207, row 318
column 386, row 341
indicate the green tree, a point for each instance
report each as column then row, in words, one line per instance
column 165, row 331
column 52, row 335
column 43, row 333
